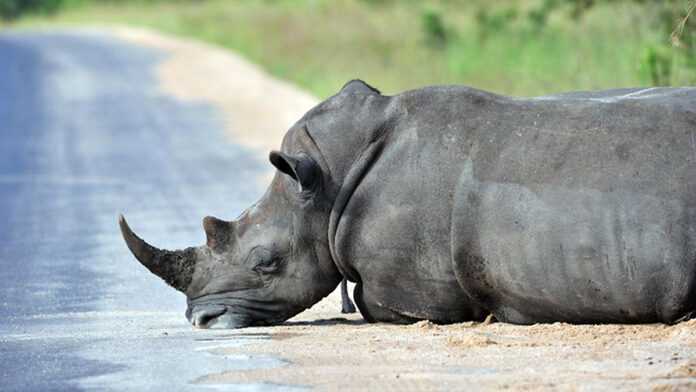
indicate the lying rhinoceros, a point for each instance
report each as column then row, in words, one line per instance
column 450, row 203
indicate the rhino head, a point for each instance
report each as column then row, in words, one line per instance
column 273, row 261
column 260, row 269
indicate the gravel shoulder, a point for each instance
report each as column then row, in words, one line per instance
column 328, row 350
column 347, row 354
column 258, row 109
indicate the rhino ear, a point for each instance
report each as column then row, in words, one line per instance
column 300, row 168
column 359, row 87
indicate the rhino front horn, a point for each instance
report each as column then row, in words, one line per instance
column 174, row 267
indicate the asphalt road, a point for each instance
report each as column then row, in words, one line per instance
column 85, row 134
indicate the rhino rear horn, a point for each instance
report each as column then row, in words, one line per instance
column 217, row 232
column 174, row 267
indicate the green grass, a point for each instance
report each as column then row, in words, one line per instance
column 320, row 44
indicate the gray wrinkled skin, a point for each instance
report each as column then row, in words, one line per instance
column 449, row 203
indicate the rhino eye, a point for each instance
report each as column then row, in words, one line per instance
column 268, row 266
column 264, row 261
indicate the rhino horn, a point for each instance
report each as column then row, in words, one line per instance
column 174, row 267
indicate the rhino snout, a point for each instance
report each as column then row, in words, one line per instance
column 213, row 316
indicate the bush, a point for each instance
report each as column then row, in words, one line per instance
column 539, row 16
column 434, row 28
column 493, row 22
column 657, row 64
column 10, row 9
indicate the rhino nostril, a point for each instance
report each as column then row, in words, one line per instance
column 202, row 321
column 202, row 318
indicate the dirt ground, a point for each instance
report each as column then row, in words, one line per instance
column 330, row 351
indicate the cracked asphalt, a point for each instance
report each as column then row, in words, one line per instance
column 85, row 134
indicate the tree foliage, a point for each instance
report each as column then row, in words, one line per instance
column 10, row 9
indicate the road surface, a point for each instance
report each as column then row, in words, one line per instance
column 85, row 134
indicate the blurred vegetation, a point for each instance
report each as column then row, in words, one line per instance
column 524, row 47
column 10, row 9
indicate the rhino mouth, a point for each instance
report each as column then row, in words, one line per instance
column 215, row 317
column 220, row 311
column 223, row 317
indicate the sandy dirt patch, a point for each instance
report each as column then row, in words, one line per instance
column 258, row 109
column 330, row 351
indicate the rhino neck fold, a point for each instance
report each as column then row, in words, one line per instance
column 358, row 170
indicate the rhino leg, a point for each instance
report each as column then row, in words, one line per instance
column 346, row 304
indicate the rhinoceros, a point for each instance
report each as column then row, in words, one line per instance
column 450, row 203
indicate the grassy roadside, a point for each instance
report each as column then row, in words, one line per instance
column 396, row 45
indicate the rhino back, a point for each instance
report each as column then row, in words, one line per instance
column 577, row 207
column 580, row 208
